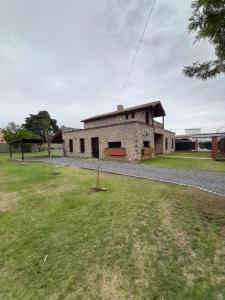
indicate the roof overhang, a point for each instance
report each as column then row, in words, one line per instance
column 155, row 107
column 27, row 141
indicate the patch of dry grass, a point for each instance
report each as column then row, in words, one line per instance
column 8, row 200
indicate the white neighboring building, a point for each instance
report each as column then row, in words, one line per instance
column 192, row 131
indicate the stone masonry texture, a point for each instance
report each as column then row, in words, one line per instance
column 130, row 129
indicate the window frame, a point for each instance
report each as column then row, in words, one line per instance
column 147, row 117
column 148, row 144
column 166, row 143
column 115, row 145
column 71, row 145
column 82, row 145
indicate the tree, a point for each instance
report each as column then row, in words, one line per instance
column 14, row 133
column 43, row 125
column 208, row 22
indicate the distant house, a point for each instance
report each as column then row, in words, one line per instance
column 128, row 134
column 2, row 140
column 4, row 147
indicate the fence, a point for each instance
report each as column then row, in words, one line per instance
column 184, row 145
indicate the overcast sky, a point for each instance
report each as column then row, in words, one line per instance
column 71, row 57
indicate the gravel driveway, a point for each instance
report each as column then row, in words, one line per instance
column 211, row 181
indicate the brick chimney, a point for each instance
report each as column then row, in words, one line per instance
column 120, row 107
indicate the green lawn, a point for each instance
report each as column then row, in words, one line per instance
column 187, row 163
column 138, row 240
column 191, row 154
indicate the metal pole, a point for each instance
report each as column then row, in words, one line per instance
column 22, row 152
column 10, row 150
column 98, row 171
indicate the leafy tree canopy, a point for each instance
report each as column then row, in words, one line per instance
column 14, row 132
column 41, row 124
column 208, row 22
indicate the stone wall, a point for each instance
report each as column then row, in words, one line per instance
column 169, row 135
column 170, row 141
column 126, row 133
column 131, row 135
column 145, row 134
column 138, row 116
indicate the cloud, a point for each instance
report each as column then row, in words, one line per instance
column 72, row 57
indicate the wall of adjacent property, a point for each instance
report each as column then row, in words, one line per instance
column 4, row 148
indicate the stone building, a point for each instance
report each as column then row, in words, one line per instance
column 129, row 134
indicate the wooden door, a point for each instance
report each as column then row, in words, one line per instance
column 95, row 147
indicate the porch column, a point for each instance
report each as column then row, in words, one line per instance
column 163, row 121
column 214, row 147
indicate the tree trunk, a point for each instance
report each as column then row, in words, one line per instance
column 10, row 150
column 49, row 147
column 49, row 144
column 22, row 152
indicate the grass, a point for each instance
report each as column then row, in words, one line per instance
column 187, row 163
column 138, row 240
column 191, row 154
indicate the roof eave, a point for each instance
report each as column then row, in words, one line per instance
column 128, row 110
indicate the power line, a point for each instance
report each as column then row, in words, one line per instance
column 139, row 44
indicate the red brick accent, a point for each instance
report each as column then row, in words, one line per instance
column 115, row 151
column 214, row 147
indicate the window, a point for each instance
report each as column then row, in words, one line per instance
column 133, row 115
column 172, row 143
column 114, row 144
column 71, row 145
column 146, row 144
column 147, row 117
column 127, row 116
column 82, row 146
column 166, row 143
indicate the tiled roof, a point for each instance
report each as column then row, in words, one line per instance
column 130, row 109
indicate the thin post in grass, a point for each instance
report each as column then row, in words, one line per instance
column 97, row 187
column 51, row 163
column 10, row 150
column 98, row 175
column 22, row 151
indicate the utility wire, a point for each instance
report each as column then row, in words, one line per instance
column 139, row 44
